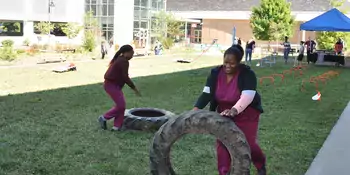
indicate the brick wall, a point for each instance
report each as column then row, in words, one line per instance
column 221, row 29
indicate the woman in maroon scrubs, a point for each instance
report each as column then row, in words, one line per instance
column 116, row 76
column 231, row 91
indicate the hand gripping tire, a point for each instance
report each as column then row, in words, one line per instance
column 146, row 119
column 200, row 122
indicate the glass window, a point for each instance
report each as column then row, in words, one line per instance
column 93, row 9
column 110, row 9
column 11, row 28
column 104, row 10
column 144, row 25
column 137, row 2
column 144, row 12
column 104, row 1
column 136, row 24
column 155, row 4
column 87, row 8
column 144, row 3
column 137, row 14
column 109, row 35
column 93, row 2
column 161, row 5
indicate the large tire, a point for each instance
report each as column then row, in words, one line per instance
column 203, row 122
column 146, row 119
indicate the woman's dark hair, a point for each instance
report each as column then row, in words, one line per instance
column 123, row 49
column 235, row 50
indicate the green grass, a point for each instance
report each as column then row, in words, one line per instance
column 55, row 131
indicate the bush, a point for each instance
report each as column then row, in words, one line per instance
column 7, row 43
column 167, row 42
column 7, row 53
column 20, row 51
column 80, row 50
column 89, row 41
column 26, row 42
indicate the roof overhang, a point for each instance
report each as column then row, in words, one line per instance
column 189, row 20
column 239, row 15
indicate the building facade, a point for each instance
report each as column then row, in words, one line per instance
column 18, row 17
column 122, row 20
column 219, row 19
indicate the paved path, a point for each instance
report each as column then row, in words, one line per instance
column 334, row 156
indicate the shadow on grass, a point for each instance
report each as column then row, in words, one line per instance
column 56, row 132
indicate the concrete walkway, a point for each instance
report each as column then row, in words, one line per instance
column 334, row 156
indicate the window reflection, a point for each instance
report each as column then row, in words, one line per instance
column 104, row 11
column 11, row 28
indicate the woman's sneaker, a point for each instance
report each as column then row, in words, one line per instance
column 114, row 128
column 262, row 171
column 102, row 122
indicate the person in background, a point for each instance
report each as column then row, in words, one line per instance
column 111, row 43
column 116, row 76
column 231, row 91
column 286, row 49
column 239, row 41
column 338, row 47
column 310, row 46
column 249, row 48
column 103, row 49
column 158, row 48
column 301, row 52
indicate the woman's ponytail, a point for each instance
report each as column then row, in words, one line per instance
column 117, row 54
column 123, row 49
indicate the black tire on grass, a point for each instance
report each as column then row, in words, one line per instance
column 199, row 122
column 146, row 119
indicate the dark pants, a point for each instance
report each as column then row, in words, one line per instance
column 117, row 111
column 286, row 54
column 248, row 56
column 308, row 56
column 103, row 55
column 250, row 130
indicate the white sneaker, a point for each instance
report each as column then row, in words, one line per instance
column 114, row 128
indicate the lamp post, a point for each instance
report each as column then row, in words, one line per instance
column 51, row 5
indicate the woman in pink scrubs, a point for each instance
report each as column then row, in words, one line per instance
column 231, row 91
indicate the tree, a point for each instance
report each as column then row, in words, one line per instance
column 166, row 27
column 326, row 40
column 272, row 20
column 71, row 29
column 44, row 27
column 11, row 26
column 91, row 32
column 165, row 24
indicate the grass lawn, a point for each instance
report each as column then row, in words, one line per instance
column 55, row 131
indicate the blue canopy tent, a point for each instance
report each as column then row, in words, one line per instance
column 332, row 21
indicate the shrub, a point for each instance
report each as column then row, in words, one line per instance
column 89, row 41
column 20, row 51
column 26, row 42
column 167, row 42
column 7, row 43
column 7, row 53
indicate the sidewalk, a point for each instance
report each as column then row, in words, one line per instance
column 334, row 156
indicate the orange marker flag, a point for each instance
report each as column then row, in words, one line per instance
column 317, row 97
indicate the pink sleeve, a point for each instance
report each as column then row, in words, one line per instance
column 245, row 100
